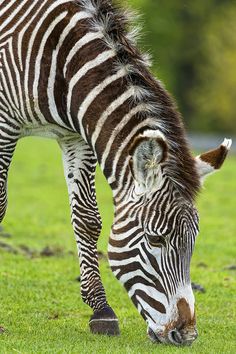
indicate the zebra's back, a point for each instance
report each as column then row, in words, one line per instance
column 39, row 46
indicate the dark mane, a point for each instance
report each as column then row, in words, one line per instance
column 120, row 35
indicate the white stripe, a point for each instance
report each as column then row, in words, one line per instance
column 51, row 81
column 139, row 273
column 22, row 32
column 120, row 237
column 151, row 313
column 9, row 82
column 123, row 262
column 7, row 7
column 101, row 58
column 34, row 33
column 104, row 320
column 20, row 19
column 117, row 129
column 88, row 37
column 123, row 146
column 155, row 294
column 3, row 44
column 94, row 93
column 113, row 106
column 39, row 58
column 5, row 97
column 126, row 208
column 124, row 223
column 18, row 83
column 5, row 123
column 9, row 18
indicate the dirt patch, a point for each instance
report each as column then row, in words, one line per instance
column 202, row 265
column 8, row 248
column 2, row 330
column 52, row 252
column 102, row 255
column 231, row 267
column 47, row 251
column 4, row 234
column 28, row 251
column 198, row 288
column 53, row 316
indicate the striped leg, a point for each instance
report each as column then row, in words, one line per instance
column 9, row 136
column 79, row 167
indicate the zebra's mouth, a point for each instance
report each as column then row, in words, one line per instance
column 153, row 336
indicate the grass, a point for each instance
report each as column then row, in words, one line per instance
column 41, row 310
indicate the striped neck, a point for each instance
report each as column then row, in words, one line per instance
column 112, row 97
column 92, row 79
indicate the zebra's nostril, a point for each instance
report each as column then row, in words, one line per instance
column 175, row 337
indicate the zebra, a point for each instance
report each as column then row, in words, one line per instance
column 71, row 70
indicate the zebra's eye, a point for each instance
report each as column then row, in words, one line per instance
column 156, row 240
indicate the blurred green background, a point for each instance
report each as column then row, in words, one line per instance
column 193, row 44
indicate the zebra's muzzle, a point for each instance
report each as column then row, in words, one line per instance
column 174, row 337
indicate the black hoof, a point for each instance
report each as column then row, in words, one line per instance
column 104, row 322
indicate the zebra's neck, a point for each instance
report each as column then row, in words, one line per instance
column 79, row 68
column 108, row 98
column 112, row 97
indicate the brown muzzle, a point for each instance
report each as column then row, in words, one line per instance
column 180, row 332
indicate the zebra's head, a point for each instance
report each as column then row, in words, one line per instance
column 153, row 237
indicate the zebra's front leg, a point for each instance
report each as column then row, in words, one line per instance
column 79, row 168
column 9, row 135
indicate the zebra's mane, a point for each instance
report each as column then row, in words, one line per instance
column 121, row 35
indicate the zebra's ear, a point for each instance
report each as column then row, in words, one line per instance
column 147, row 152
column 212, row 161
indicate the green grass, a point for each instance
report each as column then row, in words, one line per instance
column 40, row 305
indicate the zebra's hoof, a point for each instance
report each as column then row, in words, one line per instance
column 104, row 322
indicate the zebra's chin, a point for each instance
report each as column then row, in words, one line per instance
column 154, row 336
